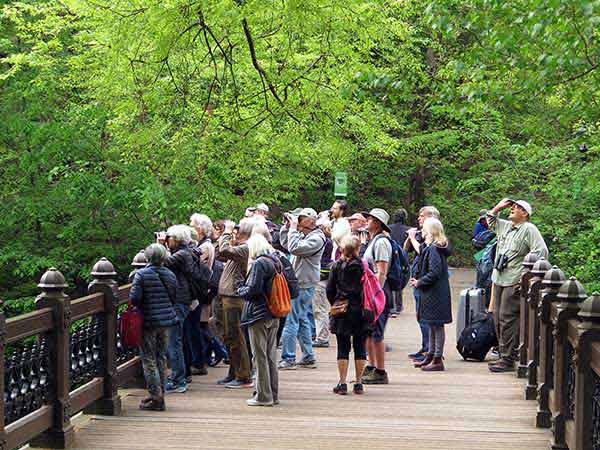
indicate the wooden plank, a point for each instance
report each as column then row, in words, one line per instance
column 30, row 324
column 26, row 428
column 570, row 434
column 87, row 306
column 85, row 395
column 129, row 370
column 124, row 294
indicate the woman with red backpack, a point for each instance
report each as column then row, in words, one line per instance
column 349, row 322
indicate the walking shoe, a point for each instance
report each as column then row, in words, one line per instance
column 307, row 364
column 225, row 380
column 239, row 384
column 321, row 344
column 503, row 365
column 170, row 388
column 358, row 389
column 436, row 365
column 425, row 361
column 341, row 389
column 376, row 377
column 284, row 364
column 199, row 370
column 367, row 371
column 276, row 401
column 254, row 402
column 153, row 405
column 188, row 379
column 417, row 355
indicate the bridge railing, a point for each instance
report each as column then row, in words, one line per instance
column 561, row 347
column 63, row 358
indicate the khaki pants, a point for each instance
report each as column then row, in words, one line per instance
column 321, row 312
column 235, row 339
column 263, row 340
column 506, row 303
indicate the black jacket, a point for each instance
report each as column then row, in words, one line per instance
column 256, row 290
column 154, row 296
column 345, row 283
column 399, row 233
column 181, row 264
column 433, row 283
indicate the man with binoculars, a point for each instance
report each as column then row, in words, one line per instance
column 516, row 237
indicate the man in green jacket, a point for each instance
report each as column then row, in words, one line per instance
column 516, row 238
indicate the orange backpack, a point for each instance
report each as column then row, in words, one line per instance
column 280, row 301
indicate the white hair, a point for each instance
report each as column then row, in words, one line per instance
column 181, row 233
column 258, row 246
column 246, row 226
column 203, row 222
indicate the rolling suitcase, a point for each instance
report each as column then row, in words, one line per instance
column 472, row 302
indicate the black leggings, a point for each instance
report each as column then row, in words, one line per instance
column 358, row 342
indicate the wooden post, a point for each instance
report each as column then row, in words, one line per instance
column 104, row 282
column 570, row 294
column 588, row 331
column 2, row 367
column 60, row 434
column 533, row 299
column 528, row 262
column 553, row 280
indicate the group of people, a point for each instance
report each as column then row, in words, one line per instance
column 324, row 257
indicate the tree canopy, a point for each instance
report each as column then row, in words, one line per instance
column 119, row 118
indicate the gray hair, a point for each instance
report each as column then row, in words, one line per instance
column 203, row 222
column 246, row 227
column 430, row 211
column 194, row 236
column 181, row 233
column 155, row 254
column 258, row 246
column 262, row 229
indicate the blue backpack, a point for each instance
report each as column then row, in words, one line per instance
column 399, row 269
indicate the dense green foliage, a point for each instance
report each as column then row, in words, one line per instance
column 118, row 118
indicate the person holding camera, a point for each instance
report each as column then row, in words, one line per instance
column 517, row 236
column 306, row 243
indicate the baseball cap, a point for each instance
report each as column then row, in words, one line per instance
column 308, row 212
column 525, row 205
column 296, row 212
column 263, row 207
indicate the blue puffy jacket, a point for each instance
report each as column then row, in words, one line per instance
column 154, row 296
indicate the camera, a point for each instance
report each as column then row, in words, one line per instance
column 501, row 262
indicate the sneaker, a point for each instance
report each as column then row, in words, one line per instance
column 254, row 402
column 276, row 401
column 376, row 377
column 321, row 344
column 503, row 365
column 188, row 379
column 418, row 354
column 358, row 389
column 284, row 364
column 170, row 388
column 341, row 389
column 419, row 358
column 225, row 380
column 307, row 364
column 239, row 384
column 367, row 371
column 153, row 405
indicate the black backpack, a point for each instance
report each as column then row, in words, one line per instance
column 477, row 338
column 199, row 277
column 399, row 267
column 483, row 238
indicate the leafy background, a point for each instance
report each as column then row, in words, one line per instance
column 120, row 118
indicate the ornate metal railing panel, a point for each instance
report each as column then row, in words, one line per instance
column 87, row 343
column 26, row 378
column 571, row 373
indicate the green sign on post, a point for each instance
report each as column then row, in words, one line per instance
column 341, row 184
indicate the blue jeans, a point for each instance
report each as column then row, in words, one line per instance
column 176, row 355
column 423, row 326
column 297, row 325
column 196, row 340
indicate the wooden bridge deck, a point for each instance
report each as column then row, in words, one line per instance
column 463, row 408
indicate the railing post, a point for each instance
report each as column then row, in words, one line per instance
column 2, row 366
column 104, row 282
column 553, row 280
column 528, row 262
column 585, row 385
column 60, row 434
column 533, row 342
column 139, row 261
column 570, row 294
